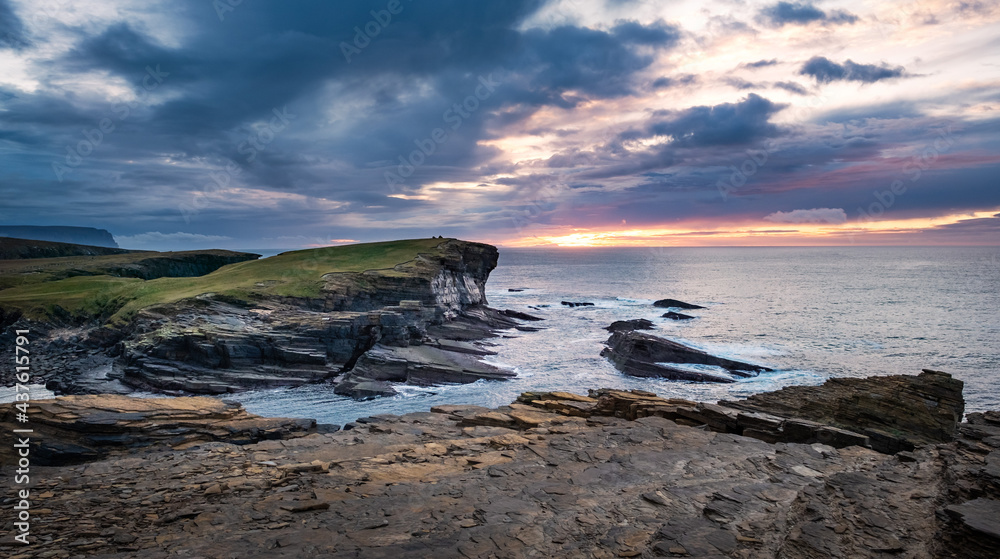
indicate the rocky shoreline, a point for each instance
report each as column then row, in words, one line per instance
column 608, row 474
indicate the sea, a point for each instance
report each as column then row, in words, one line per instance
column 808, row 313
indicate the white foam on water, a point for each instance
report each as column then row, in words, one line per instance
column 8, row 394
column 698, row 368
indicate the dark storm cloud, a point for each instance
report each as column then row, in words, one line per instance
column 801, row 13
column 719, row 125
column 12, row 32
column 227, row 77
column 357, row 104
column 826, row 71
column 660, row 33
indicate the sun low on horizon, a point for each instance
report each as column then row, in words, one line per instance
column 523, row 123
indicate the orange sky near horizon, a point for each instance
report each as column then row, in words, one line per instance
column 919, row 231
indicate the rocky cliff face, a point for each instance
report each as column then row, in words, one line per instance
column 178, row 264
column 609, row 474
column 15, row 249
column 75, row 235
column 451, row 280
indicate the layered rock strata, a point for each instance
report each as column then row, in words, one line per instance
column 74, row 429
column 422, row 321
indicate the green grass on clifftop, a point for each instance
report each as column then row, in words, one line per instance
column 291, row 274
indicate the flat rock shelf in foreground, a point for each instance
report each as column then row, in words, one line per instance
column 608, row 474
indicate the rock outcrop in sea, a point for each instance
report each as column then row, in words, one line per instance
column 609, row 474
column 645, row 355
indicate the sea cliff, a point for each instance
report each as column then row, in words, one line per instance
column 362, row 317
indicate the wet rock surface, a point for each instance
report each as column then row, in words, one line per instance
column 635, row 324
column 551, row 475
column 676, row 316
column 644, row 355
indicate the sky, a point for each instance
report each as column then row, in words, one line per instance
column 253, row 124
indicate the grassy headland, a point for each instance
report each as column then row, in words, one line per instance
column 115, row 299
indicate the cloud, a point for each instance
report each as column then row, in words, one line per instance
column 833, row 216
column 658, row 33
column 723, row 124
column 157, row 238
column 826, row 71
column 665, row 82
column 601, row 107
column 792, row 87
column 12, row 31
column 759, row 63
column 739, row 83
column 801, row 13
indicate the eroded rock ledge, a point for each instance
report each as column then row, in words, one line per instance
column 75, row 429
column 552, row 475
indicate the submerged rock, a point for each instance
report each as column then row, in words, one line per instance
column 675, row 304
column 677, row 316
column 519, row 315
column 573, row 304
column 644, row 355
